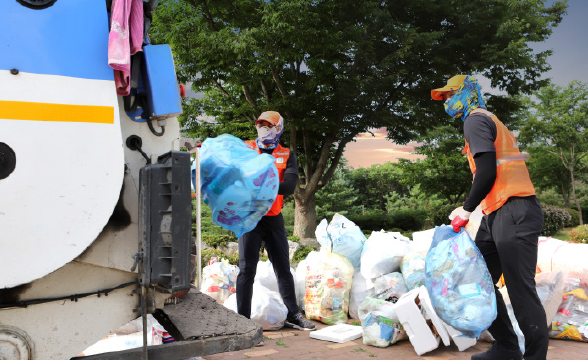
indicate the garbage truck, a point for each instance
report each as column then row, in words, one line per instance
column 95, row 205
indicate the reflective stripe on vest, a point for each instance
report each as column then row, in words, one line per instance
column 281, row 154
column 512, row 176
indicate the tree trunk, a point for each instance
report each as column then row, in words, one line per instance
column 304, row 215
column 574, row 195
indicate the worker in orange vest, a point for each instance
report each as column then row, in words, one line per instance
column 270, row 230
column 513, row 219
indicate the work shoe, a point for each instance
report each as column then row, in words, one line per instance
column 299, row 322
column 497, row 352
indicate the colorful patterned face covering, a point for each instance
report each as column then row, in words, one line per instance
column 267, row 137
column 467, row 98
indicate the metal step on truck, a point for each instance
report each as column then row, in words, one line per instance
column 95, row 194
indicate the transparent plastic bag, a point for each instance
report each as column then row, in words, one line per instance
column 413, row 270
column 342, row 237
column 459, row 282
column 238, row 184
column 571, row 320
column 380, row 323
column 390, row 287
column 267, row 308
column 299, row 281
column 383, row 253
column 219, row 280
column 359, row 291
column 328, row 281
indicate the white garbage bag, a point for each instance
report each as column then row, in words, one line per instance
column 328, row 281
column 342, row 237
column 265, row 276
column 267, row 308
column 359, row 291
column 299, row 281
column 382, row 253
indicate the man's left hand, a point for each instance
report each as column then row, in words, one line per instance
column 459, row 218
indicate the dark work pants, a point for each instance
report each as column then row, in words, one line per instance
column 507, row 239
column 276, row 244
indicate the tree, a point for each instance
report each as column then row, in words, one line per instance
column 558, row 119
column 335, row 68
column 548, row 172
column 445, row 171
column 338, row 196
column 376, row 181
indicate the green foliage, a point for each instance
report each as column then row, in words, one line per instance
column 301, row 253
column 336, row 68
column 210, row 253
column 401, row 220
column 554, row 219
column 574, row 218
column 294, row 238
column 374, row 182
column 579, row 234
column 444, row 173
column 216, row 240
column 338, row 196
column 441, row 215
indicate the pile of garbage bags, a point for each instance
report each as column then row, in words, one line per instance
column 219, row 280
column 238, row 184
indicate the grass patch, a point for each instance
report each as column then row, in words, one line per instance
column 563, row 234
column 281, row 343
column 359, row 350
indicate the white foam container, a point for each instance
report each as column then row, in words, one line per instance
column 445, row 330
column 338, row 333
column 414, row 323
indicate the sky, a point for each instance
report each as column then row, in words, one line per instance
column 569, row 61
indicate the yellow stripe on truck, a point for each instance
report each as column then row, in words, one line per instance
column 23, row 110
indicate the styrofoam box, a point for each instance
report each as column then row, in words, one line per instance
column 421, row 240
column 420, row 335
column 338, row 333
column 445, row 330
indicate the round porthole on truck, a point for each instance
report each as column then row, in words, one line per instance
column 37, row 4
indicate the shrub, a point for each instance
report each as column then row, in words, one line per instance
column 216, row 240
column 575, row 218
column 294, row 238
column 554, row 218
column 409, row 219
column 210, row 253
column 579, row 234
column 371, row 220
column 441, row 214
column 301, row 253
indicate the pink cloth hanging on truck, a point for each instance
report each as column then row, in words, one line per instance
column 124, row 40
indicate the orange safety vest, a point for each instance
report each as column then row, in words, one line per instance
column 512, row 176
column 281, row 154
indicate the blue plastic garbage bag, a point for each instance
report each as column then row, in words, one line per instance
column 459, row 282
column 238, row 184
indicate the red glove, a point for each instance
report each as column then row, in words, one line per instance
column 459, row 218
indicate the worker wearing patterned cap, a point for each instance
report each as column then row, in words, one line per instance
column 271, row 230
column 513, row 219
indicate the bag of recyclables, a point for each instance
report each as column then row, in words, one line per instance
column 238, row 184
column 459, row 282
column 327, row 285
column 342, row 237
column 413, row 270
column 219, row 280
column 380, row 323
column 390, row 287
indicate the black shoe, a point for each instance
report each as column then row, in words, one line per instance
column 299, row 322
column 497, row 352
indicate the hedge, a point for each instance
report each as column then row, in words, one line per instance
column 554, row 219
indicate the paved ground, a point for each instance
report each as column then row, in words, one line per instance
column 293, row 344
